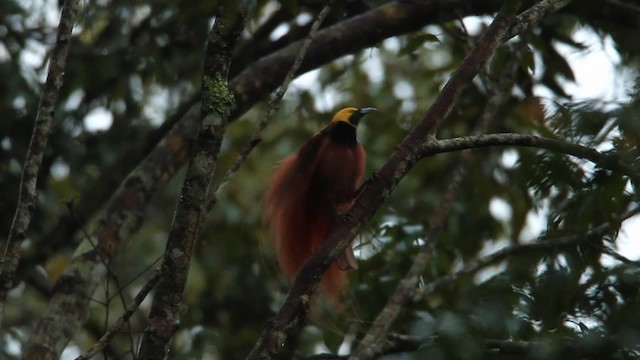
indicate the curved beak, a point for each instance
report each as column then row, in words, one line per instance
column 356, row 116
column 366, row 110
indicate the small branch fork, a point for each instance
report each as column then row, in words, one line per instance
column 123, row 320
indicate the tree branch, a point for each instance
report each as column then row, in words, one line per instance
column 616, row 255
column 610, row 161
column 372, row 343
column 28, row 193
column 215, row 112
column 347, row 37
column 533, row 15
column 290, row 316
column 260, row 45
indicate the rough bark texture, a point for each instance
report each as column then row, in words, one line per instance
column 217, row 100
column 28, row 194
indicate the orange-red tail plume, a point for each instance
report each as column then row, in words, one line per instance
column 308, row 192
column 298, row 225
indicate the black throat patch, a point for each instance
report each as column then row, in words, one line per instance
column 343, row 134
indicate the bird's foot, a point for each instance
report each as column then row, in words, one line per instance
column 347, row 260
column 345, row 217
column 374, row 176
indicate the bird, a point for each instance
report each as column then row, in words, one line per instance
column 310, row 191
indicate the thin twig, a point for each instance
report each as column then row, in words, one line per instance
column 28, row 193
column 139, row 274
column 124, row 319
column 120, row 290
column 616, row 255
column 110, row 272
column 274, row 102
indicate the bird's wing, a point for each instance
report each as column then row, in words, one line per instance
column 308, row 154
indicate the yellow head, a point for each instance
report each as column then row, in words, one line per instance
column 351, row 115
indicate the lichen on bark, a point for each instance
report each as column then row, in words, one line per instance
column 216, row 95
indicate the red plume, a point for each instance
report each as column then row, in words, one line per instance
column 305, row 197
